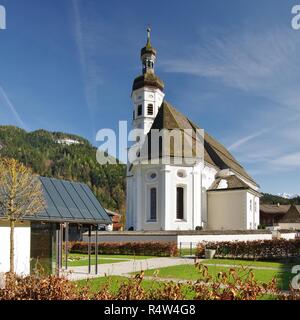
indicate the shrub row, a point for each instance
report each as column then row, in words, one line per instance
column 231, row 285
column 162, row 249
column 261, row 249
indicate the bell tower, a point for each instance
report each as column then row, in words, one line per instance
column 147, row 91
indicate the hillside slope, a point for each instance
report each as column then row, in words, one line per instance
column 47, row 154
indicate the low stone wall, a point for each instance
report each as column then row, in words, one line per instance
column 185, row 238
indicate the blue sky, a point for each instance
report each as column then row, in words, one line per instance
column 230, row 65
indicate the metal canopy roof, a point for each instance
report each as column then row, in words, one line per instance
column 70, row 202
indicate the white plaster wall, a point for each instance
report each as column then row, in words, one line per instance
column 191, row 183
column 186, row 240
column 145, row 96
column 166, row 182
column 289, row 226
column 227, row 210
column 22, row 248
column 252, row 211
column 207, row 178
column 129, row 200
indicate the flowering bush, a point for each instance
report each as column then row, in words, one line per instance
column 260, row 249
column 163, row 249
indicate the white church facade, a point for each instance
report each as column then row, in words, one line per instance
column 214, row 193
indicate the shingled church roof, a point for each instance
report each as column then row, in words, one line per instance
column 214, row 152
column 148, row 79
column 232, row 183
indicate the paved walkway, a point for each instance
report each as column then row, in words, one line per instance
column 245, row 266
column 124, row 268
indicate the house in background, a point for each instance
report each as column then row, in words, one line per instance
column 291, row 220
column 39, row 239
column 271, row 214
column 116, row 220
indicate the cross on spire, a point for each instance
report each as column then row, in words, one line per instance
column 148, row 36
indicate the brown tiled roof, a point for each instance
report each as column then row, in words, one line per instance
column 214, row 152
column 292, row 216
column 274, row 209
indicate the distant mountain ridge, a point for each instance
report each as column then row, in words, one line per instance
column 288, row 196
column 56, row 154
column 275, row 199
column 42, row 151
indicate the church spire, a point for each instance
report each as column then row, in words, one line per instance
column 148, row 55
column 148, row 45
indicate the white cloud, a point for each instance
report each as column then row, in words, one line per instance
column 87, row 50
column 263, row 65
column 258, row 63
column 246, row 139
column 4, row 97
column 288, row 161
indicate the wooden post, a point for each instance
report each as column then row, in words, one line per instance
column 66, row 244
column 57, row 251
column 96, row 250
column 89, row 248
column 61, row 238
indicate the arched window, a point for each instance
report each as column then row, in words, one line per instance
column 153, row 204
column 180, row 203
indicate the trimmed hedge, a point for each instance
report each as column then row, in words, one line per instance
column 162, row 249
column 260, row 249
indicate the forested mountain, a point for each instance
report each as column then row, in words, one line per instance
column 47, row 154
column 66, row 156
column 272, row 199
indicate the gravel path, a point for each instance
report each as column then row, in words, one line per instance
column 124, row 268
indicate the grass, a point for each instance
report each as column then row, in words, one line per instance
column 188, row 272
column 80, row 260
column 249, row 263
column 114, row 283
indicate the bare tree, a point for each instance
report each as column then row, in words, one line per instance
column 21, row 195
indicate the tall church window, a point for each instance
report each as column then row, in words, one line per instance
column 150, row 109
column 140, row 110
column 153, row 204
column 180, row 203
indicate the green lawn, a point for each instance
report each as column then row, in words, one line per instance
column 79, row 260
column 114, row 283
column 249, row 263
column 189, row 272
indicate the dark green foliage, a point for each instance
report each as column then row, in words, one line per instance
column 40, row 151
column 272, row 199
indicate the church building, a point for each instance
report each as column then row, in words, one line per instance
column 212, row 193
